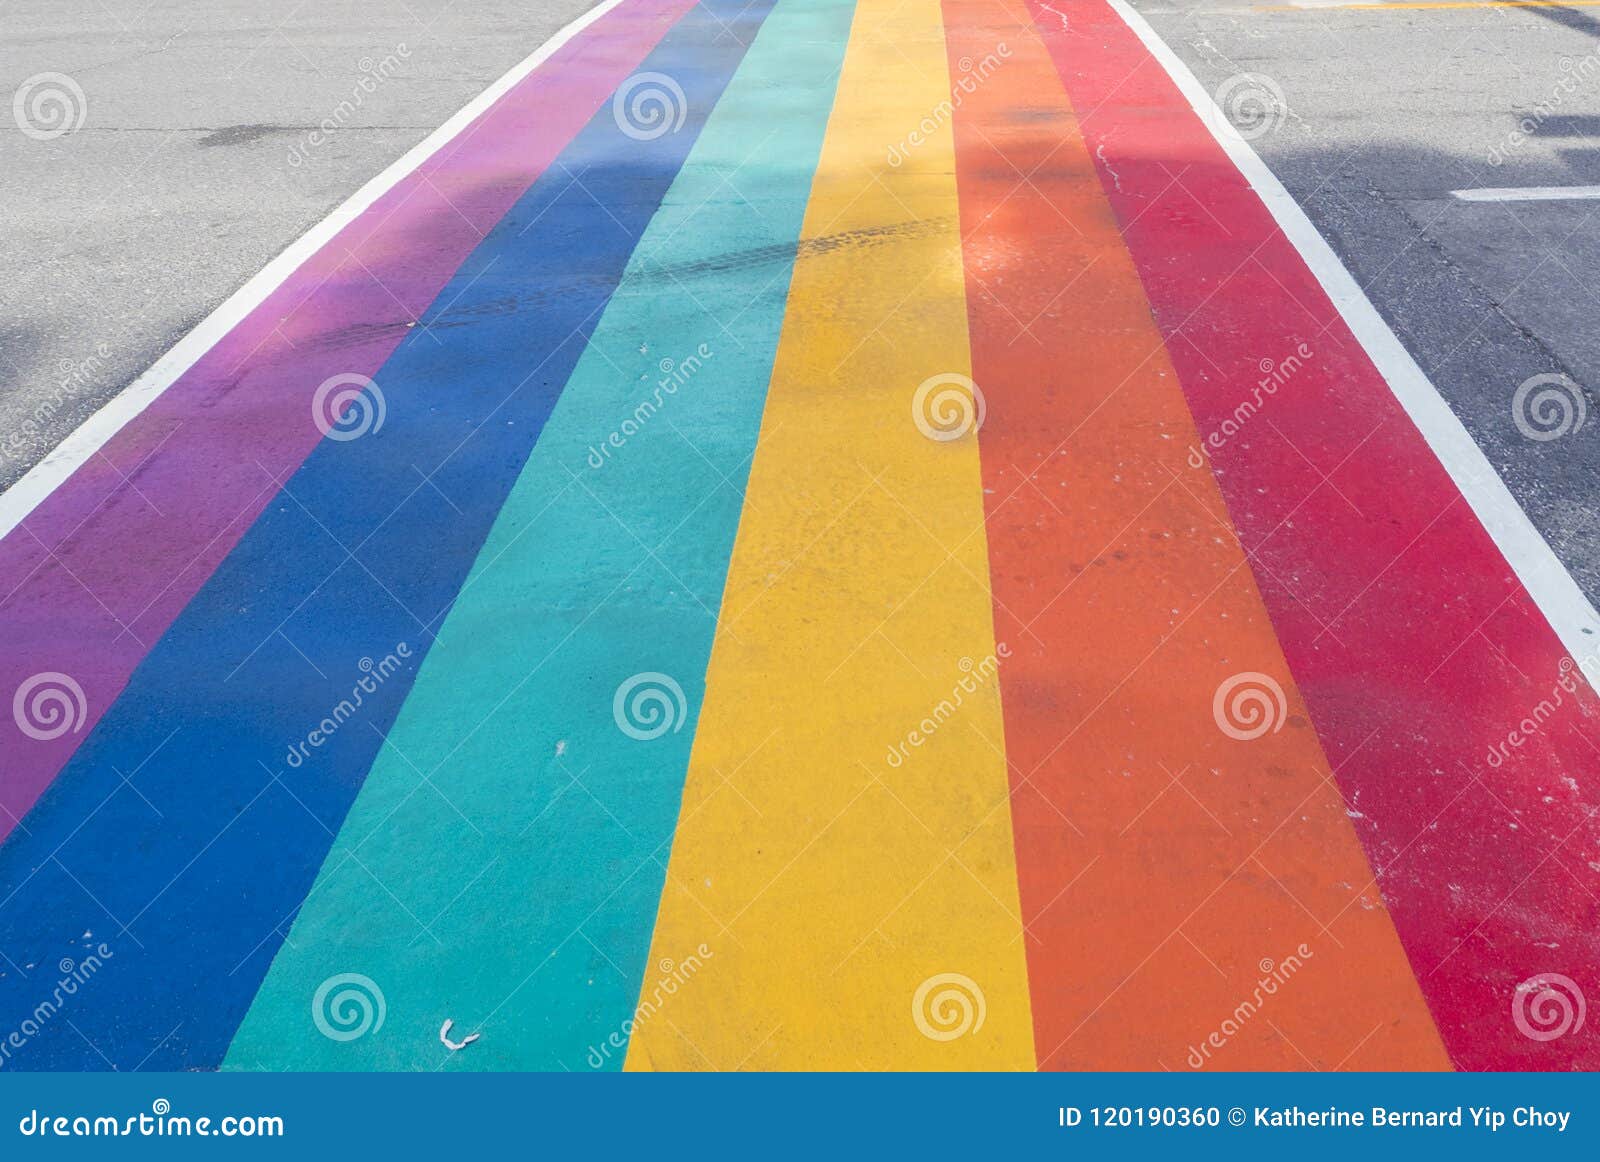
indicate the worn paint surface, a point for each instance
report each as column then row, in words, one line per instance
column 1121, row 579
column 361, row 553
column 535, row 800
column 816, row 598
column 857, row 599
column 103, row 567
column 1416, row 650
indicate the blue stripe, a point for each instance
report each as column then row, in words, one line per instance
column 523, row 908
column 191, row 870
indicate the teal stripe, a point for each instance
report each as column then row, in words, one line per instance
column 503, row 862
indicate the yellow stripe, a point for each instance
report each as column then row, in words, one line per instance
column 826, row 885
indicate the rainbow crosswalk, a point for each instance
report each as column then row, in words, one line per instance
column 784, row 577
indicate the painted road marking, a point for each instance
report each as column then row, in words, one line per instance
column 863, row 914
column 1416, row 649
column 1121, row 584
column 364, row 550
column 97, row 572
column 1529, row 194
column 846, row 876
column 1570, row 613
column 77, row 449
column 541, row 892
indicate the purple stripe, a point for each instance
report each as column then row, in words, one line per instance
column 101, row 568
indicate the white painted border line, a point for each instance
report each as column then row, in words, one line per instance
column 1563, row 603
column 1528, row 194
column 18, row 501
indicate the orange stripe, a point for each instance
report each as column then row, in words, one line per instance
column 1162, row 863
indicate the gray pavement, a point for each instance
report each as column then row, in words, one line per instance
column 178, row 186
column 1384, row 113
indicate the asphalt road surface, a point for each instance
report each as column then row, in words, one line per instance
column 192, row 169
column 1378, row 113
column 803, row 534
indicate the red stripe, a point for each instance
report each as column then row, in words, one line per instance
column 1413, row 644
column 1161, row 863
